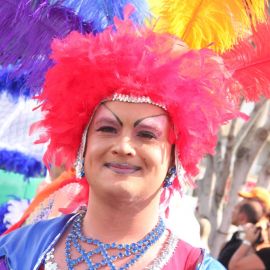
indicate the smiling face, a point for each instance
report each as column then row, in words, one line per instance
column 128, row 153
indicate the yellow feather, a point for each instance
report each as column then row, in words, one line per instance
column 203, row 22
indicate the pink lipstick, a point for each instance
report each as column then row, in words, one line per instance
column 122, row 168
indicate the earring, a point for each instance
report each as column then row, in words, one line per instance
column 169, row 177
column 79, row 168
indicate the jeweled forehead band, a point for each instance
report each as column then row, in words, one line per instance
column 133, row 99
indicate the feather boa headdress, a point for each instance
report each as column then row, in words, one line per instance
column 193, row 85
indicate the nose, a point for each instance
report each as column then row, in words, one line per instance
column 124, row 146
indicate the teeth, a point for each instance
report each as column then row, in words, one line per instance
column 122, row 168
column 122, row 165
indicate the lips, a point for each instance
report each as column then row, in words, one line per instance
column 122, row 168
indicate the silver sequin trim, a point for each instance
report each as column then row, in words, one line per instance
column 133, row 99
column 166, row 253
column 50, row 263
column 79, row 166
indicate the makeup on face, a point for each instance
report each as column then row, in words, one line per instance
column 149, row 127
column 128, row 149
column 122, row 168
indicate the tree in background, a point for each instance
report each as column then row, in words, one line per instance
column 238, row 149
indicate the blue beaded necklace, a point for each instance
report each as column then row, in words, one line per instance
column 133, row 250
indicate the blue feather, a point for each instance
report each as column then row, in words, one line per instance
column 14, row 86
column 100, row 13
column 4, row 225
column 3, row 211
column 14, row 161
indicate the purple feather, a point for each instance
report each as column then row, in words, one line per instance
column 27, row 42
column 28, row 27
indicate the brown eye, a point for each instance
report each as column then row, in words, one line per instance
column 107, row 129
column 147, row 135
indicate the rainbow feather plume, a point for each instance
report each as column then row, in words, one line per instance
column 201, row 23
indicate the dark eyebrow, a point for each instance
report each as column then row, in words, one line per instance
column 140, row 120
column 117, row 118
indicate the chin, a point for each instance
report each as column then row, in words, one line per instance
column 114, row 187
column 123, row 192
column 125, row 189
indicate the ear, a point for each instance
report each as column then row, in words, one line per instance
column 242, row 217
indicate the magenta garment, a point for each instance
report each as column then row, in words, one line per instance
column 3, row 264
column 184, row 257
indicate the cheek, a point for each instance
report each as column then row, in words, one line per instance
column 93, row 154
column 158, row 157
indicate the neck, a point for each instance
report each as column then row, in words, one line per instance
column 120, row 222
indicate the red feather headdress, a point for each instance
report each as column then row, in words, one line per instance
column 193, row 85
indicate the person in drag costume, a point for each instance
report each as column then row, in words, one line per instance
column 135, row 111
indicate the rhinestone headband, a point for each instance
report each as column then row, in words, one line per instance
column 133, row 99
column 79, row 166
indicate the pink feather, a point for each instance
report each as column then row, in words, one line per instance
column 250, row 61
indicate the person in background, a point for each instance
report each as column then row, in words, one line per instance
column 246, row 256
column 246, row 211
column 261, row 195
